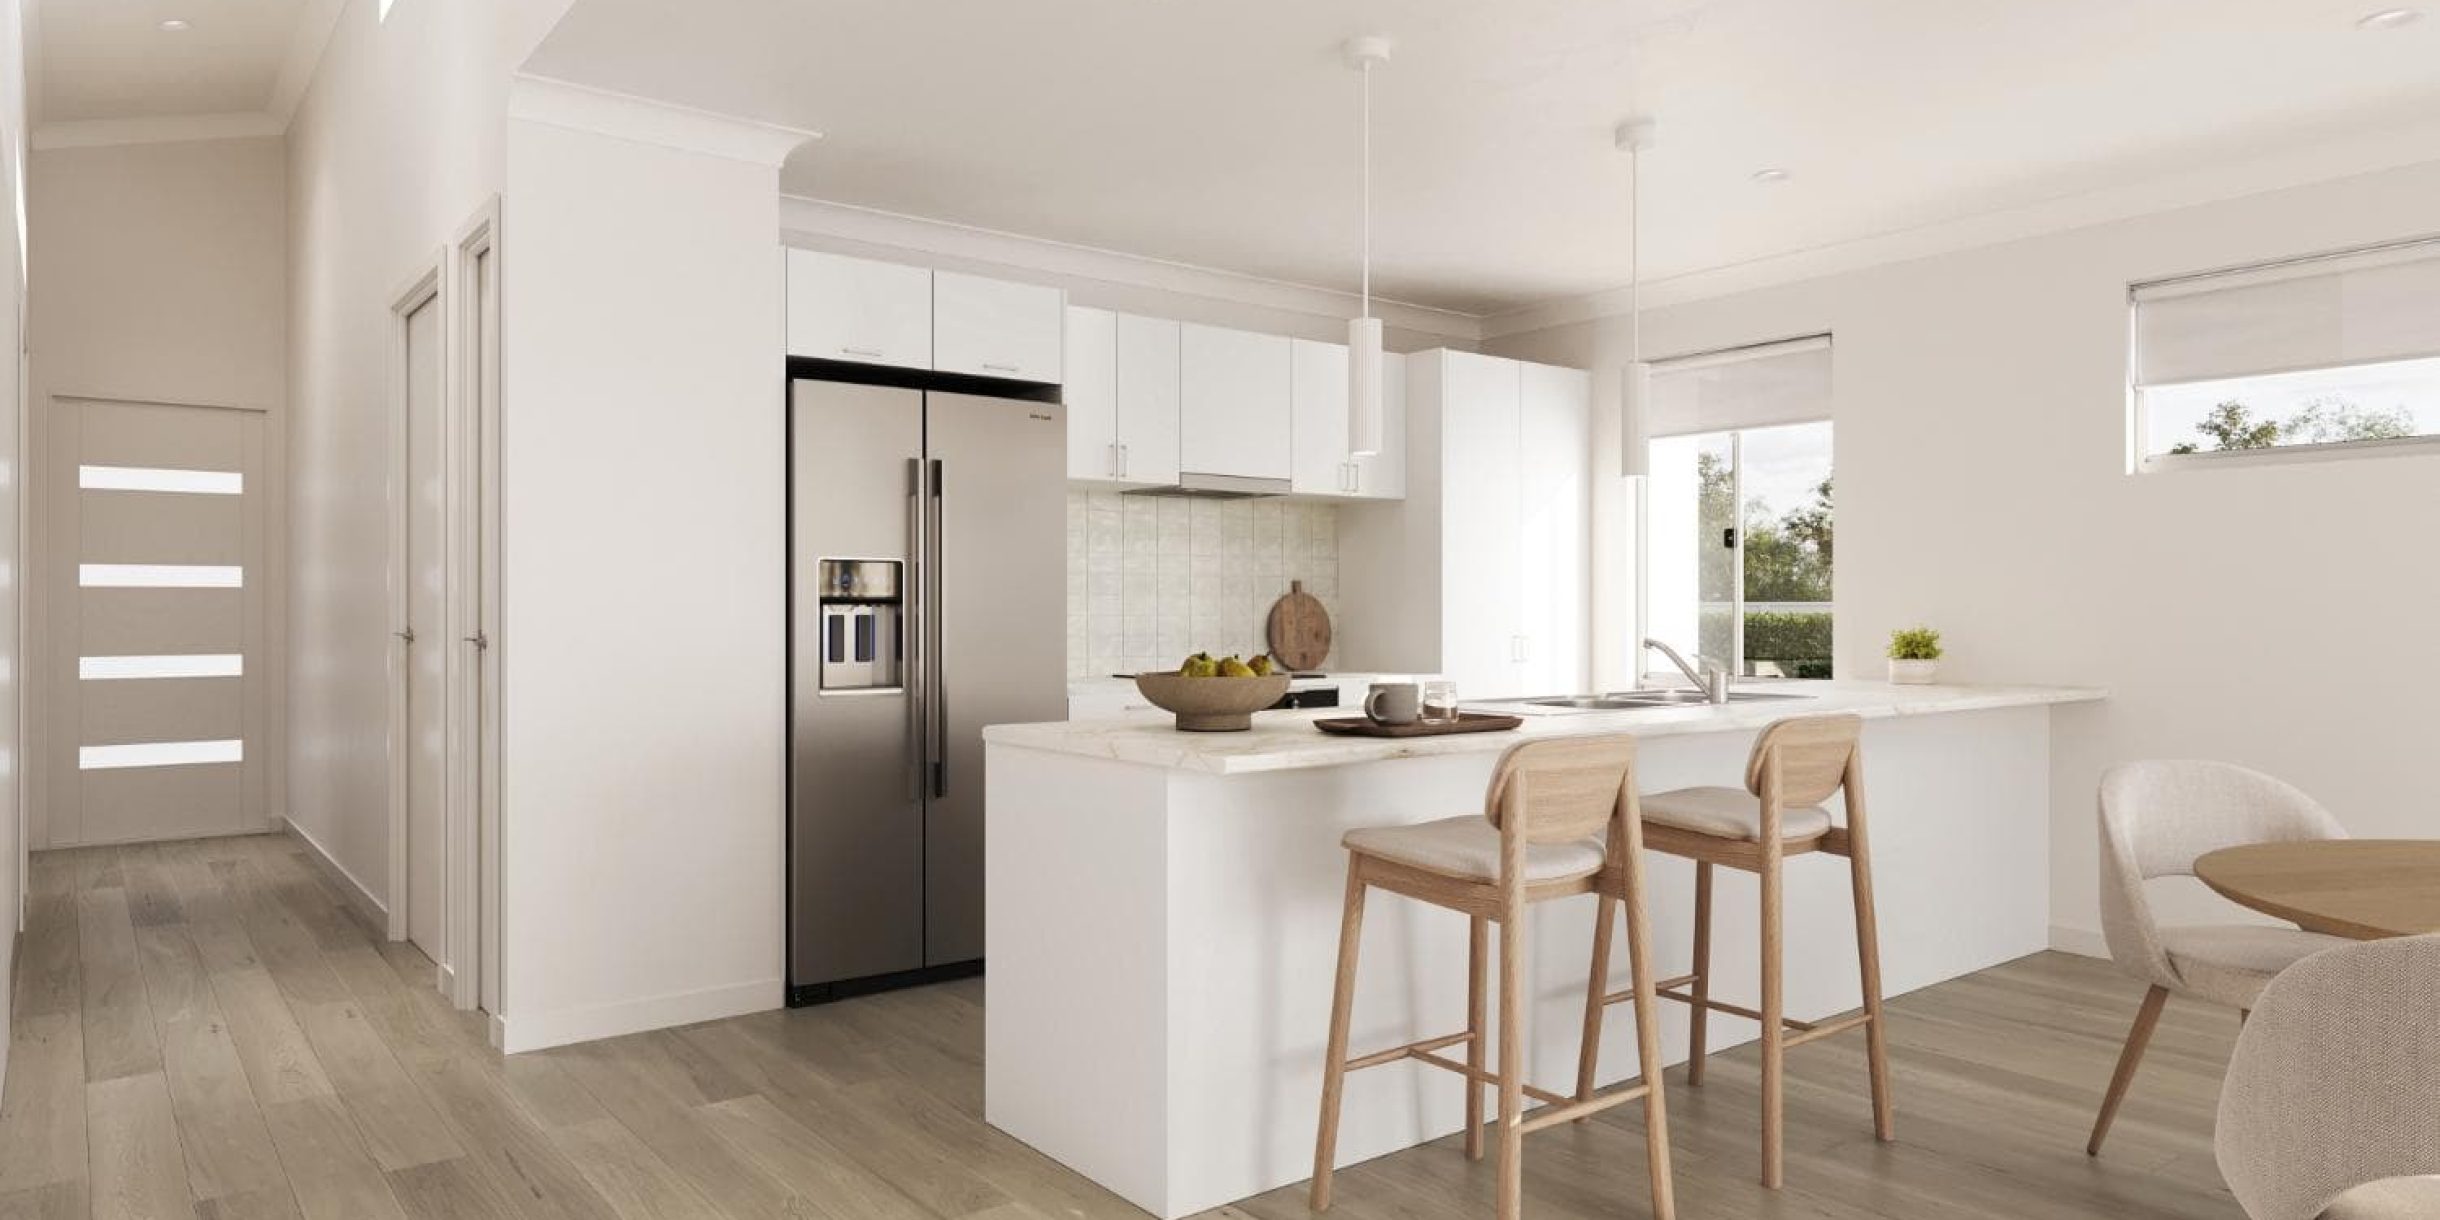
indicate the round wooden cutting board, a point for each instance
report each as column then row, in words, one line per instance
column 1300, row 629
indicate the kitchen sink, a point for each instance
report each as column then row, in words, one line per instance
column 1631, row 700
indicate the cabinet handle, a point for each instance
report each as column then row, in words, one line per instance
column 1122, row 461
column 871, row 353
column 1000, row 368
column 1114, row 461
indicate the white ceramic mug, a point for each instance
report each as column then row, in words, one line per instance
column 1394, row 703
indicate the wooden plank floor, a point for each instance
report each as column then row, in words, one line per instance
column 203, row 1029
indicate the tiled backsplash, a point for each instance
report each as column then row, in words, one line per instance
column 1153, row 579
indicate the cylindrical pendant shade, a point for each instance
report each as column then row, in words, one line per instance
column 1634, row 419
column 1364, row 419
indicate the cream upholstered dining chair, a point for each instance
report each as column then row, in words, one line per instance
column 2332, row 1104
column 2157, row 819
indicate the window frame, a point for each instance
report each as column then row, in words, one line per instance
column 2138, row 413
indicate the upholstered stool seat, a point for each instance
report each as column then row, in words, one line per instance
column 1730, row 813
column 1468, row 847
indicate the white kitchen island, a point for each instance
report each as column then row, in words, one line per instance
column 1163, row 912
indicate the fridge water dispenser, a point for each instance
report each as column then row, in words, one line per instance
column 861, row 610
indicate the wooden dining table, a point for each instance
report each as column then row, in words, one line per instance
column 2365, row 889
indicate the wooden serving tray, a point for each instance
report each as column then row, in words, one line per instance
column 1466, row 722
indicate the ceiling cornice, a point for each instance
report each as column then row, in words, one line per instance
column 161, row 129
column 871, row 226
column 540, row 99
column 2324, row 161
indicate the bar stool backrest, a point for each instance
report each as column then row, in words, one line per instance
column 1566, row 789
column 1813, row 753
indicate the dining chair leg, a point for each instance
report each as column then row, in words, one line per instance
column 1868, row 956
column 2128, row 1059
column 1774, row 1029
column 1648, row 1040
column 1334, row 1063
column 1596, row 987
column 1512, row 1063
column 1478, row 966
column 1698, row 1025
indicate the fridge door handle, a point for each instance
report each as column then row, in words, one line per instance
column 936, row 609
column 918, row 647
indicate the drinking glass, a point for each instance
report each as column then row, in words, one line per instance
column 1440, row 702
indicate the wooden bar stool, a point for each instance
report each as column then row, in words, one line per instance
column 1796, row 765
column 1540, row 837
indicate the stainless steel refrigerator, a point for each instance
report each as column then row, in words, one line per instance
column 928, row 598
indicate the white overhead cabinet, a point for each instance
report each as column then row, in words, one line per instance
column 857, row 309
column 1150, row 385
column 1122, row 398
column 1234, row 405
column 1319, row 392
column 995, row 328
column 864, row 311
column 1482, row 572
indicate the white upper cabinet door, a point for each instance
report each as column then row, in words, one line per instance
column 1318, row 394
column 1234, row 415
column 1483, row 642
column 1091, row 393
column 994, row 328
column 1555, row 513
column 1383, row 475
column 1148, row 388
column 842, row 308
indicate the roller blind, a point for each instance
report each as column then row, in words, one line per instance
column 1747, row 387
column 2365, row 307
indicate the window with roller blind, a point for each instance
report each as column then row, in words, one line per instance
column 1738, row 531
column 2323, row 356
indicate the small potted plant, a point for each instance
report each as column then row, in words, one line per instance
column 1914, row 656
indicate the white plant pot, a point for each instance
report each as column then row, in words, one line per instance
column 1913, row 673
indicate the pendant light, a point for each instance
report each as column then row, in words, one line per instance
column 1633, row 137
column 1364, row 417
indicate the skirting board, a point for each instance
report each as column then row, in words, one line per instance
column 2083, row 942
column 361, row 899
column 538, row 1031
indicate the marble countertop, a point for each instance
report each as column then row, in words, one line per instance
column 1287, row 740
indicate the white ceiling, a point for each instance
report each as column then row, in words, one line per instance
column 1223, row 135
column 111, row 60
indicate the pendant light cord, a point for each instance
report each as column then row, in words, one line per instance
column 1367, row 188
column 1635, row 256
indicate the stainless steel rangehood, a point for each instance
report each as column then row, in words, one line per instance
column 1193, row 486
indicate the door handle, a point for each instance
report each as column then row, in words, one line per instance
column 405, row 636
column 918, row 646
column 937, row 611
column 480, row 640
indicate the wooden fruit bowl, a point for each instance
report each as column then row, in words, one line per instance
column 1212, row 705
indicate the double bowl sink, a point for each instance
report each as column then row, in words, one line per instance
column 1633, row 700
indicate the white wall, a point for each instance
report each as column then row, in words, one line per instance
column 12, row 499
column 160, row 272
column 2275, row 616
column 644, row 518
column 398, row 141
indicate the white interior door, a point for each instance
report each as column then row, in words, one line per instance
column 426, row 636
column 153, row 549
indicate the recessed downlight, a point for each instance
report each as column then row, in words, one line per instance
column 177, row 24
column 1770, row 174
column 2389, row 19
